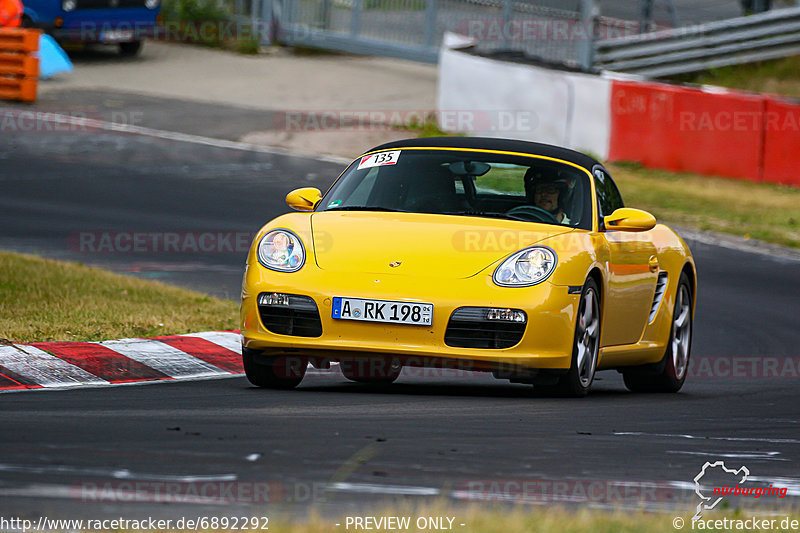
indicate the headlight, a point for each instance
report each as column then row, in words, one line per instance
column 68, row 5
column 281, row 250
column 526, row 267
column 151, row 4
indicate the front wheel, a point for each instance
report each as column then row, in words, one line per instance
column 671, row 371
column 130, row 49
column 585, row 347
column 273, row 372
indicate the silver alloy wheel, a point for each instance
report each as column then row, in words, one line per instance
column 681, row 332
column 587, row 337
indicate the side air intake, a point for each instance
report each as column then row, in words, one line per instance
column 661, row 289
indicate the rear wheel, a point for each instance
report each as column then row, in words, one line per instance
column 273, row 372
column 376, row 371
column 670, row 374
column 585, row 347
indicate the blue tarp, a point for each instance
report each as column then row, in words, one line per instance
column 52, row 58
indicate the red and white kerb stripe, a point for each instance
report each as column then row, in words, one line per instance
column 78, row 364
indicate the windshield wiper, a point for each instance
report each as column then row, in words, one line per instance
column 364, row 208
column 479, row 214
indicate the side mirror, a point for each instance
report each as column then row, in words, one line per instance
column 629, row 219
column 304, row 199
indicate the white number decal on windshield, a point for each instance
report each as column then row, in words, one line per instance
column 379, row 159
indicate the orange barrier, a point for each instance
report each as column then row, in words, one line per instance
column 687, row 129
column 19, row 65
column 781, row 142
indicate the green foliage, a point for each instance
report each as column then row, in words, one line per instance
column 777, row 76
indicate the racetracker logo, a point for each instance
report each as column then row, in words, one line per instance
column 160, row 242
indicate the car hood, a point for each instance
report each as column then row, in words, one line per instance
column 443, row 246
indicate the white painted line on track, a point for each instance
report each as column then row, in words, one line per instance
column 369, row 488
column 685, row 436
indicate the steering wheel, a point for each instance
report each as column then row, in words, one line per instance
column 531, row 213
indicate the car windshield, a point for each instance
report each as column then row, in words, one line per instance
column 464, row 183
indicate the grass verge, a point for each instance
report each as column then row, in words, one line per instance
column 553, row 519
column 44, row 300
column 753, row 210
column 779, row 76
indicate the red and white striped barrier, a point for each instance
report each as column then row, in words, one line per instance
column 705, row 130
column 58, row 365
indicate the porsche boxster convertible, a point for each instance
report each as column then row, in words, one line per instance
column 479, row 254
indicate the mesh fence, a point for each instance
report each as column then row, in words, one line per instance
column 551, row 30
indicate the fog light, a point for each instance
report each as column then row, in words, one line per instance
column 506, row 315
column 58, row 22
column 273, row 298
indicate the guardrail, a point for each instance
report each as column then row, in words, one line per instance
column 768, row 35
column 19, row 65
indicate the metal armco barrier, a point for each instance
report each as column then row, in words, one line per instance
column 19, row 65
column 739, row 40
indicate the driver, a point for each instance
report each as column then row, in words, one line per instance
column 547, row 190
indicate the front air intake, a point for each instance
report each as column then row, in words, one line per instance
column 484, row 327
column 289, row 314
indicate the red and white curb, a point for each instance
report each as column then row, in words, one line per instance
column 58, row 365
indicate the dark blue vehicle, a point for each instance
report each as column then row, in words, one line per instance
column 121, row 22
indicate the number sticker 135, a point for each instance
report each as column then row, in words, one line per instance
column 380, row 159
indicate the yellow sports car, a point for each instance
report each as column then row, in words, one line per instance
column 478, row 254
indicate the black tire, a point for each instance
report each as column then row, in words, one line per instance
column 375, row 371
column 273, row 372
column 670, row 374
column 578, row 380
column 130, row 49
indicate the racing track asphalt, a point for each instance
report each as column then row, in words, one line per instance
column 434, row 433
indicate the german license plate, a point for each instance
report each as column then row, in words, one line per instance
column 116, row 36
column 412, row 313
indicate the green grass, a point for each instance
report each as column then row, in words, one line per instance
column 530, row 519
column 779, row 76
column 759, row 210
column 44, row 300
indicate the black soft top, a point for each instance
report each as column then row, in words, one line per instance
column 488, row 143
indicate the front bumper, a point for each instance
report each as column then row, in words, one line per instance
column 546, row 343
